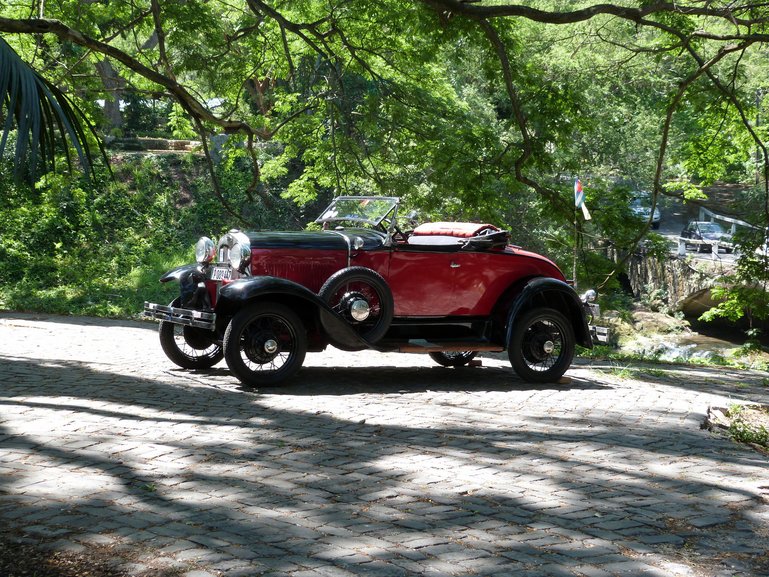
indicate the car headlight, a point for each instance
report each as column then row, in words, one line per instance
column 205, row 250
column 240, row 255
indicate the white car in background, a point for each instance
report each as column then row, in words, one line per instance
column 641, row 206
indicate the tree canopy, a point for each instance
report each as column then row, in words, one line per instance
column 469, row 108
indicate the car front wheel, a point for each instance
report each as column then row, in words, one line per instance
column 265, row 344
column 541, row 347
column 189, row 347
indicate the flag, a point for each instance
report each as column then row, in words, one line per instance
column 579, row 199
column 579, row 194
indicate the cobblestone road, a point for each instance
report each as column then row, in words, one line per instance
column 370, row 464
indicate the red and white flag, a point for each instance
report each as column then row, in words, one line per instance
column 579, row 199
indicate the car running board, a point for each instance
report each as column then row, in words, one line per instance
column 423, row 346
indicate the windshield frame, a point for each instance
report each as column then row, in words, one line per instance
column 369, row 210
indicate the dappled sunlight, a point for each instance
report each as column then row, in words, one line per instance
column 387, row 464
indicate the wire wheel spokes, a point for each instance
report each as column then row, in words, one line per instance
column 189, row 347
column 268, row 343
column 453, row 358
column 265, row 344
column 193, row 342
column 542, row 345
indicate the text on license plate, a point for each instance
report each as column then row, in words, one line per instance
column 220, row 273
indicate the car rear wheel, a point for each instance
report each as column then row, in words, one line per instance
column 453, row 358
column 189, row 347
column 541, row 347
column 265, row 344
column 360, row 296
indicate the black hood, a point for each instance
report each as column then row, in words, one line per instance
column 317, row 240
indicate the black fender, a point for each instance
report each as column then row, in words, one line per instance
column 191, row 288
column 235, row 295
column 553, row 293
column 178, row 272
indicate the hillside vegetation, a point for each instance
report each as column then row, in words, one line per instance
column 98, row 246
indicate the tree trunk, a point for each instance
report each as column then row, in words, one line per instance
column 113, row 85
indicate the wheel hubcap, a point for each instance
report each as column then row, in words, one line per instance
column 270, row 346
column 261, row 346
column 355, row 306
column 359, row 310
column 542, row 345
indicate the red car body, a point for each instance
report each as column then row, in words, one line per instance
column 262, row 300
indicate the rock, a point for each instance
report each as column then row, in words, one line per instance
column 717, row 417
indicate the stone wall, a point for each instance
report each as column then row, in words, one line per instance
column 151, row 144
column 685, row 280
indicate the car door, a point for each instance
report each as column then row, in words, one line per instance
column 422, row 280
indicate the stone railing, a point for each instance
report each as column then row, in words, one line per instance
column 685, row 281
column 149, row 144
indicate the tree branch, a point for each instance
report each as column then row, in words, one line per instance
column 518, row 113
column 684, row 86
column 161, row 36
column 191, row 104
column 450, row 7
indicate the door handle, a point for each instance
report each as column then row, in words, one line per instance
column 455, row 265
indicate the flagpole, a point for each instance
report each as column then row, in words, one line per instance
column 574, row 262
column 579, row 202
column 577, row 199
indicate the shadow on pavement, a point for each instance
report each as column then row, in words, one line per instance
column 468, row 472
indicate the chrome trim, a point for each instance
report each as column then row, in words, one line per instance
column 349, row 246
column 180, row 316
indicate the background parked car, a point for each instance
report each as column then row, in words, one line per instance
column 641, row 206
column 707, row 231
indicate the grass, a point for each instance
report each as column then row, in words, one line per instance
column 121, row 297
column 623, row 372
column 749, row 424
column 605, row 353
column 629, row 372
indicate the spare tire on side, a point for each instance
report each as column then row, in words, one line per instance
column 360, row 296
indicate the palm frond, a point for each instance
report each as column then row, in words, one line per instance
column 44, row 117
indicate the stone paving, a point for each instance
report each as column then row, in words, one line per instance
column 370, row 464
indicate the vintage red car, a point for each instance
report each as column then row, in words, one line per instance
column 262, row 300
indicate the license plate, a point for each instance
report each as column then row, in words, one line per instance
column 221, row 273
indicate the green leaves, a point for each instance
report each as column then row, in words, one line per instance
column 45, row 120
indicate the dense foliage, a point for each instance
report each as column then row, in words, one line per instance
column 98, row 245
column 471, row 110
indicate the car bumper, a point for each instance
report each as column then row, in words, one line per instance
column 180, row 316
column 599, row 335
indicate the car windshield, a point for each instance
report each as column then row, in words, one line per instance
column 371, row 210
column 710, row 227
